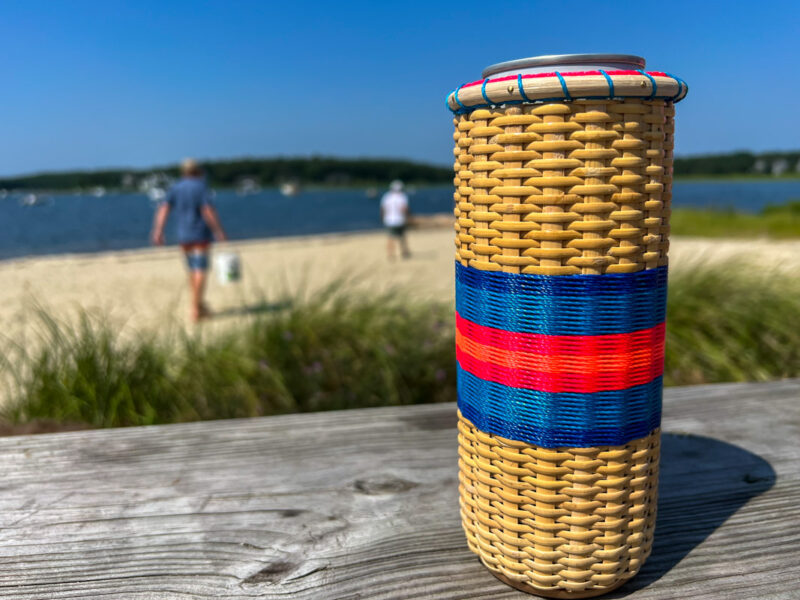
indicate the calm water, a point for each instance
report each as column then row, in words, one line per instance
column 120, row 221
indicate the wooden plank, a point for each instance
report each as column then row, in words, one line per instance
column 363, row 504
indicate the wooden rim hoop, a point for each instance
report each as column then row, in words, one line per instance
column 557, row 86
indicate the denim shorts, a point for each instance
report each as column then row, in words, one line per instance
column 196, row 256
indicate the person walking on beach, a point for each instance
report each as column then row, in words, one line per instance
column 196, row 220
column 394, row 212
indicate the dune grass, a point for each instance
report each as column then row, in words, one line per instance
column 779, row 221
column 725, row 323
column 334, row 352
column 732, row 323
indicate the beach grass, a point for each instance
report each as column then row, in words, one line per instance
column 732, row 322
column 334, row 351
column 338, row 350
column 779, row 221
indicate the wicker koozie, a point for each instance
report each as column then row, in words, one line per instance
column 562, row 230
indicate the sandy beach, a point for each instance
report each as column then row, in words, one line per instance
column 145, row 288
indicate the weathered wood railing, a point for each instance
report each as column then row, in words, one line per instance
column 363, row 504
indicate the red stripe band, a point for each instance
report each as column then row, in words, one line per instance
column 560, row 363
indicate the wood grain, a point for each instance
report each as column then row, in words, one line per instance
column 363, row 504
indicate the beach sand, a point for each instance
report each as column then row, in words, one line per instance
column 145, row 289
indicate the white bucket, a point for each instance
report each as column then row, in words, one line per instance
column 228, row 267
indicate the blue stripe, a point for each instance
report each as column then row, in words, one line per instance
column 562, row 304
column 553, row 420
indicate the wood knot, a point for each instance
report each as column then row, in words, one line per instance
column 382, row 484
column 274, row 572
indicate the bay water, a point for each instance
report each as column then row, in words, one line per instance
column 83, row 223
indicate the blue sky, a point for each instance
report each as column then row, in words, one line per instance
column 105, row 83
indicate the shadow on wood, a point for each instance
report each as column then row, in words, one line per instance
column 702, row 483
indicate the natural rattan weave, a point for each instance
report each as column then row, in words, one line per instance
column 564, row 188
column 561, row 177
column 566, row 522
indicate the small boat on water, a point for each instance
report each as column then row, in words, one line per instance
column 289, row 188
column 156, row 194
column 247, row 186
column 34, row 200
column 155, row 186
column 98, row 191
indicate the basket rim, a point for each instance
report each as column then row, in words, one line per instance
column 555, row 86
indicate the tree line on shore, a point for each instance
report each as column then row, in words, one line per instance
column 739, row 163
column 366, row 171
column 263, row 171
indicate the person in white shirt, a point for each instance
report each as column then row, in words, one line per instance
column 394, row 212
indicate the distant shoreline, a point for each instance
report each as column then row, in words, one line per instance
column 329, row 172
column 318, row 187
column 311, row 187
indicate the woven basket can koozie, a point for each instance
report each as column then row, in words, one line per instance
column 563, row 182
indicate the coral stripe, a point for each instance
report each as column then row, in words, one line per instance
column 600, row 380
column 565, row 365
column 572, row 345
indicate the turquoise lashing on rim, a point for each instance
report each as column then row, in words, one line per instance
column 567, row 96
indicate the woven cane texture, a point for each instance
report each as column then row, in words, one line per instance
column 564, row 188
column 559, row 478
column 565, row 522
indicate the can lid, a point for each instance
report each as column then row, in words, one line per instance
column 552, row 62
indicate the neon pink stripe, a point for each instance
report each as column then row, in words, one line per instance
column 589, row 382
column 566, row 365
column 572, row 345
